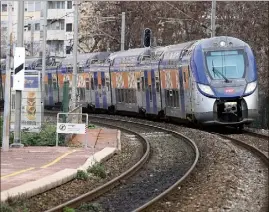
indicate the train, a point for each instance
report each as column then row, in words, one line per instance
column 210, row 82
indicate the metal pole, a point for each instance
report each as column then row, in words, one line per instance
column 44, row 44
column 6, row 125
column 213, row 18
column 17, row 125
column 122, row 31
column 32, row 39
column 75, row 47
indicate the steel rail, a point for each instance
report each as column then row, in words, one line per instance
column 253, row 149
column 254, row 134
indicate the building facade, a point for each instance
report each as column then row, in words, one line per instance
column 60, row 16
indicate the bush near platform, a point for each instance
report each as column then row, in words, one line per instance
column 46, row 137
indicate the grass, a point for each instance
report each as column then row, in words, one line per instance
column 90, row 207
column 82, row 175
column 97, row 170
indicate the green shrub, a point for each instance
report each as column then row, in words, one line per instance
column 5, row 208
column 97, row 170
column 92, row 207
column 82, row 175
column 91, row 126
column 46, row 137
column 67, row 209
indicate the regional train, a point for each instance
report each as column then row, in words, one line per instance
column 211, row 81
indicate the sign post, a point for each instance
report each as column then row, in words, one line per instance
column 18, row 85
column 72, row 128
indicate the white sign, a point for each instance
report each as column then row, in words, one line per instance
column 31, row 103
column 71, row 128
column 19, row 62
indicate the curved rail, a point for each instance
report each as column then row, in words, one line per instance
column 111, row 184
column 192, row 144
column 246, row 146
column 258, row 135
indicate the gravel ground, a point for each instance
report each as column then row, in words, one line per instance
column 130, row 154
column 170, row 159
column 227, row 178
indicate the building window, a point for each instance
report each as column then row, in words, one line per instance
column 69, row 4
column 37, row 6
column 37, row 26
column 4, row 7
column 69, row 27
column 30, row 6
column 57, row 25
column 68, row 50
column 56, row 4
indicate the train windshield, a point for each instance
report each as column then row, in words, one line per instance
column 225, row 64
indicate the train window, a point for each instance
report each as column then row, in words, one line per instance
column 54, row 85
column 95, row 84
column 87, row 84
column 157, row 86
column 92, row 84
column 13, row 102
column 126, row 99
column 46, row 89
column 108, row 86
column 146, row 83
column 82, row 94
column 150, row 93
column 138, row 84
column 129, row 96
column 103, row 81
column 143, row 83
column 122, row 95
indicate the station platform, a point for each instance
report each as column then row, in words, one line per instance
column 32, row 170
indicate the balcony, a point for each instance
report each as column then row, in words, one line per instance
column 55, row 35
column 56, row 13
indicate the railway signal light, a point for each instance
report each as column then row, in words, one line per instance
column 147, row 37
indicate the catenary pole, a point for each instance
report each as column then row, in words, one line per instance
column 44, row 44
column 213, row 18
column 6, row 125
column 122, row 30
column 75, row 49
column 17, row 125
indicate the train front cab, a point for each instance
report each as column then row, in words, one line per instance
column 226, row 91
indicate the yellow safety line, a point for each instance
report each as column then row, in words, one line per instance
column 57, row 159
column 16, row 173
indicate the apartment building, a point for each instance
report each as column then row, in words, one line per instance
column 60, row 15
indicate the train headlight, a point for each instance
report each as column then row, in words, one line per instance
column 251, row 87
column 206, row 89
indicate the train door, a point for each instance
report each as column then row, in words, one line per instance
column 101, row 84
column 190, row 91
column 149, row 91
column 139, row 89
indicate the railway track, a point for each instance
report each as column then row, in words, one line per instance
column 254, row 146
column 132, row 179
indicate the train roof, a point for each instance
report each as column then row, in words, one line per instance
column 83, row 59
